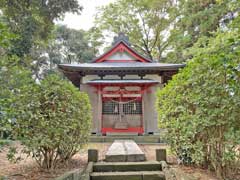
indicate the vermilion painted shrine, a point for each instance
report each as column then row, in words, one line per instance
column 122, row 86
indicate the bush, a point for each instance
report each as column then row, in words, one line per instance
column 53, row 121
column 15, row 81
column 200, row 106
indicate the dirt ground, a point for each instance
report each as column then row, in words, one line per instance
column 27, row 169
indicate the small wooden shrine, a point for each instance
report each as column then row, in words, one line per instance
column 122, row 86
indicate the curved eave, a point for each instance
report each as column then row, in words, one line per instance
column 75, row 72
column 93, row 67
column 74, row 77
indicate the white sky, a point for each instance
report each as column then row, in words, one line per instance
column 86, row 18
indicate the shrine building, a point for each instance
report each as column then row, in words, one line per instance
column 121, row 85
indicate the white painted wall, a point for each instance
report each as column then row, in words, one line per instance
column 121, row 56
column 96, row 103
column 150, row 116
column 87, row 78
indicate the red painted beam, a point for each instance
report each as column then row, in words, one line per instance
column 122, row 99
column 144, row 88
column 138, row 130
column 122, row 92
column 97, row 85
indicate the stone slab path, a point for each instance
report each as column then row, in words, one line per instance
column 124, row 151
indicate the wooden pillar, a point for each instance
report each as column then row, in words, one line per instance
column 80, row 80
column 144, row 126
column 99, row 109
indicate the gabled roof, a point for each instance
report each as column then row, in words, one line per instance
column 122, row 46
column 129, row 62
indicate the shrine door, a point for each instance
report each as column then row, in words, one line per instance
column 122, row 114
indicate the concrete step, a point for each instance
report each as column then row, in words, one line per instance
column 121, row 134
column 127, row 166
column 137, row 139
column 130, row 175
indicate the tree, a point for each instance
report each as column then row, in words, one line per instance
column 200, row 106
column 164, row 30
column 33, row 20
column 95, row 39
column 193, row 20
column 141, row 21
column 50, row 118
column 52, row 121
column 72, row 44
column 5, row 38
column 66, row 46
column 13, row 80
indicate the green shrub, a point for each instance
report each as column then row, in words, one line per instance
column 15, row 81
column 53, row 121
column 200, row 106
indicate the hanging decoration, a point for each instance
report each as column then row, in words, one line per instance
column 134, row 106
column 116, row 109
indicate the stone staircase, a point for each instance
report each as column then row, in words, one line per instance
column 124, row 161
column 147, row 170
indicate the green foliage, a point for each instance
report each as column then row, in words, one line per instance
column 194, row 20
column 33, row 20
column 5, row 37
column 143, row 21
column 95, row 39
column 72, row 43
column 164, row 29
column 52, row 121
column 65, row 46
column 200, row 106
column 14, row 81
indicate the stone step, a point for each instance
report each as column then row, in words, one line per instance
column 124, row 151
column 127, row 166
column 117, row 134
column 130, row 175
column 137, row 139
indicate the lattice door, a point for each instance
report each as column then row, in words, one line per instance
column 122, row 114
